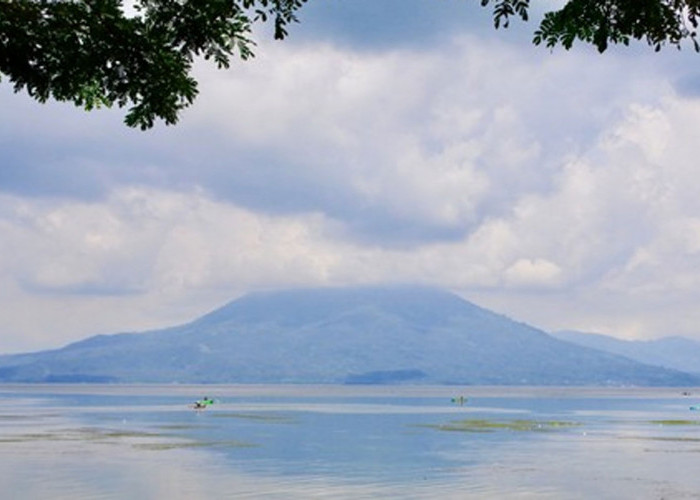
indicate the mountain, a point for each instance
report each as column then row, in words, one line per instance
column 362, row 335
column 676, row 353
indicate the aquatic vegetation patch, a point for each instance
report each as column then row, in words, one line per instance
column 19, row 417
column 12, row 418
column 282, row 419
column 137, row 439
column 517, row 425
column 78, row 434
column 675, row 439
column 39, row 436
column 96, row 433
column 180, row 427
column 10, row 440
column 675, row 422
column 24, row 438
column 192, row 444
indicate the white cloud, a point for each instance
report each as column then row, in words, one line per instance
column 532, row 272
column 143, row 247
column 624, row 225
column 559, row 188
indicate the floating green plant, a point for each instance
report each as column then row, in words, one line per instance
column 180, row 427
column 192, row 444
column 252, row 416
column 674, row 422
column 43, row 436
column 125, row 434
column 79, row 434
column 483, row 425
column 98, row 434
column 676, row 439
column 673, row 439
column 16, row 439
column 113, row 436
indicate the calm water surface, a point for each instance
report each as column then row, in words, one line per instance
column 144, row 442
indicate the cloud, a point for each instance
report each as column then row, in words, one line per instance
column 141, row 240
column 530, row 272
column 401, row 146
column 558, row 187
column 622, row 226
column 179, row 253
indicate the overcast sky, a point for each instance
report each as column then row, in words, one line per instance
column 393, row 141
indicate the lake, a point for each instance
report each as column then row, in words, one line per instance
column 259, row 441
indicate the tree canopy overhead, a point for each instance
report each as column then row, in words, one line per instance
column 602, row 22
column 94, row 53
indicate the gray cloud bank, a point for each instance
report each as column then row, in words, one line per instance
column 555, row 187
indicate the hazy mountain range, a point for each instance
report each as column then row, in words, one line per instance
column 677, row 353
column 341, row 335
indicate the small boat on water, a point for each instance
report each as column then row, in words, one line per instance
column 203, row 403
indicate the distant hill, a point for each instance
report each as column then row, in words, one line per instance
column 676, row 353
column 369, row 335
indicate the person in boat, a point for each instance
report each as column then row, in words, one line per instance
column 460, row 400
column 203, row 403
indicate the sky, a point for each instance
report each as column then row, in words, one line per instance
column 392, row 142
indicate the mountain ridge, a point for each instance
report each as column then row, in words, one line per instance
column 340, row 335
column 674, row 352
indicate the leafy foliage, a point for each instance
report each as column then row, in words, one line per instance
column 93, row 53
column 602, row 22
column 506, row 8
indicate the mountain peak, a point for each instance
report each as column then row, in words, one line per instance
column 304, row 305
column 399, row 334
